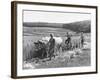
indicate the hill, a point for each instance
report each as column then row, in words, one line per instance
column 81, row 26
column 42, row 24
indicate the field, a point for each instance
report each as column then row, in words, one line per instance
column 33, row 34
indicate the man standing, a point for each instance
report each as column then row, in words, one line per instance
column 51, row 44
column 68, row 41
column 82, row 39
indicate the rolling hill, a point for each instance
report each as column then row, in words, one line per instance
column 81, row 26
column 42, row 24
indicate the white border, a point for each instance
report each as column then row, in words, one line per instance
column 21, row 72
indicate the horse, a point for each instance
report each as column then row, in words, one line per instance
column 58, row 42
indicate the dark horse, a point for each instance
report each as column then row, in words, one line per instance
column 40, row 49
column 45, row 50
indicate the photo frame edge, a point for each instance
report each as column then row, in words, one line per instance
column 13, row 40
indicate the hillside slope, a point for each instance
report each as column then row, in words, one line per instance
column 82, row 26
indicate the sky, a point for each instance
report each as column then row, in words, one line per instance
column 54, row 17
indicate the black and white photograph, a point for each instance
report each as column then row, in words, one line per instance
column 54, row 39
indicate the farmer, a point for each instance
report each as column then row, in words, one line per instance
column 82, row 39
column 51, row 45
column 68, row 40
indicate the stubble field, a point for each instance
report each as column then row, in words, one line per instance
column 33, row 34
